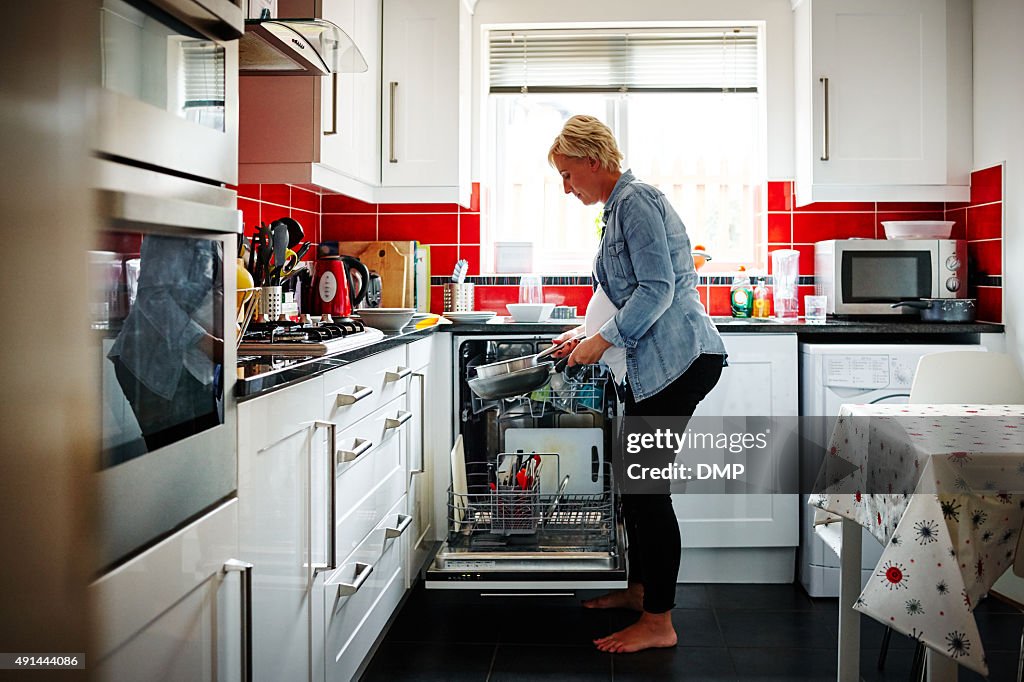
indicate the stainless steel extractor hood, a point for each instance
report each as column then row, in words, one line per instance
column 297, row 47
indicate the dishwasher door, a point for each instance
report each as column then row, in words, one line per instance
column 507, row 539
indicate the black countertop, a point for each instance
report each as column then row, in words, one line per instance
column 260, row 374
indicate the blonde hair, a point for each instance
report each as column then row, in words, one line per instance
column 586, row 137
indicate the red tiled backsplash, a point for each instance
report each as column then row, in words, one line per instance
column 453, row 232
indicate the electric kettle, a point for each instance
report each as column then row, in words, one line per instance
column 331, row 291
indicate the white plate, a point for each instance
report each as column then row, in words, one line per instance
column 470, row 317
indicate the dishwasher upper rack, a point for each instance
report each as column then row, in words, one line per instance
column 570, row 522
column 584, row 391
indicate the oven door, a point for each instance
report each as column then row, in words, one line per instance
column 169, row 95
column 548, row 540
column 164, row 319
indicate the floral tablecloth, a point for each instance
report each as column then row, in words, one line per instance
column 942, row 488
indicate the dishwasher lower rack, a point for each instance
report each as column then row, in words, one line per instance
column 497, row 517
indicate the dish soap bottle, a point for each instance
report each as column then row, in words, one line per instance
column 761, row 304
column 741, row 296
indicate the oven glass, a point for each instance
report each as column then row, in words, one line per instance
column 886, row 276
column 151, row 57
column 160, row 311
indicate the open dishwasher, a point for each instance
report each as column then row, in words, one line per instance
column 531, row 505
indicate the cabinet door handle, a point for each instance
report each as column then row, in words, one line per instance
column 423, row 426
column 362, row 572
column 244, row 569
column 396, row 374
column 350, row 396
column 404, row 521
column 361, row 446
column 334, row 106
column 396, row 421
column 391, row 132
column 824, row 142
column 332, row 497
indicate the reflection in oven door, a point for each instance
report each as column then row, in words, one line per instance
column 531, row 506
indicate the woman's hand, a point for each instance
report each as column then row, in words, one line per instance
column 589, row 351
column 563, row 338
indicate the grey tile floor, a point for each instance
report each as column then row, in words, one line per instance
column 726, row 632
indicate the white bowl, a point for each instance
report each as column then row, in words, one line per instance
column 530, row 312
column 386, row 319
column 918, row 229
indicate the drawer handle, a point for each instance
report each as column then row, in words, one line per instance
column 396, row 421
column 362, row 572
column 404, row 521
column 332, row 497
column 361, row 445
column 244, row 569
column 396, row 374
column 351, row 396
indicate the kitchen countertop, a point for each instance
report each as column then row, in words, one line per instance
column 261, row 374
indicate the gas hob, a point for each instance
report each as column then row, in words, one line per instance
column 287, row 338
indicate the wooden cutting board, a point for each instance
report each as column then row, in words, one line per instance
column 393, row 261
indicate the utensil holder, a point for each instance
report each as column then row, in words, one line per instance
column 270, row 302
column 459, row 297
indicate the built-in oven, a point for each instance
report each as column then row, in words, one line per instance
column 531, row 506
column 169, row 76
column 163, row 312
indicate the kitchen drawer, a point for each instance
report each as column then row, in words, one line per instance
column 356, row 390
column 361, row 595
column 371, row 482
column 419, row 352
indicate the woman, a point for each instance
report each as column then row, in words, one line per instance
column 646, row 322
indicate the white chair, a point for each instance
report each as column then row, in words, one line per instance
column 972, row 377
column 967, row 376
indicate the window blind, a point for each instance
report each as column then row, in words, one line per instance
column 203, row 73
column 649, row 60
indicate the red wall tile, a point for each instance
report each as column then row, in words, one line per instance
column 718, row 297
column 496, row 297
column 815, row 227
column 472, row 254
column 249, row 191
column 780, row 228
column 990, row 304
column 836, row 207
column 250, row 214
column 437, row 299
column 985, row 222
column 418, row 208
column 275, row 194
column 426, row 228
column 986, row 257
column 350, row 227
column 917, row 207
column 959, row 218
column 310, row 223
column 469, row 228
column 578, row 296
column 305, row 200
column 780, row 195
column 339, row 203
column 442, row 260
column 987, row 185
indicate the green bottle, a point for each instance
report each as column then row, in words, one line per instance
column 741, row 295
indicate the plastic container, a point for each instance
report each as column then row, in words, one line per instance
column 762, row 304
column 785, row 276
column 741, row 295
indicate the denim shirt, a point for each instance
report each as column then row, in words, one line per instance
column 645, row 267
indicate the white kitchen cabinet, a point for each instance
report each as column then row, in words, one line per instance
column 425, row 91
column 426, row 410
column 175, row 611
column 883, row 106
column 283, row 516
column 312, row 129
column 731, row 537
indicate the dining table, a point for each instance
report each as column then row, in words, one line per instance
column 942, row 488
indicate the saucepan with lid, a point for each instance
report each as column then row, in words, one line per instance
column 943, row 309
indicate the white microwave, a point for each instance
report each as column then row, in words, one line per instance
column 866, row 276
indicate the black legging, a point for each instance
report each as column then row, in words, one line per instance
column 651, row 526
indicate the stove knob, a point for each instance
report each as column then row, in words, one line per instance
column 953, row 284
column 304, row 319
column 326, row 319
column 953, row 263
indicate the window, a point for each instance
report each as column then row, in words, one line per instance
column 685, row 107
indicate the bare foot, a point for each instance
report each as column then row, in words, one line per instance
column 652, row 631
column 632, row 598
